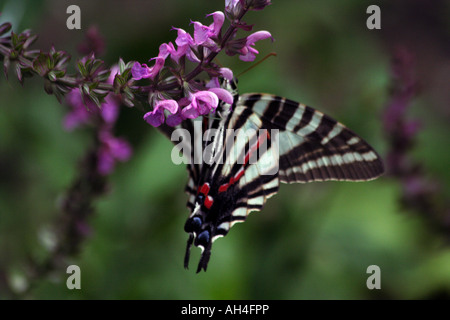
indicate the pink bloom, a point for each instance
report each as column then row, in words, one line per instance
column 216, row 26
column 143, row 71
column 110, row 109
column 222, row 94
column 156, row 117
column 213, row 83
column 165, row 50
column 202, row 102
column 204, row 35
column 174, row 119
column 183, row 38
column 226, row 73
column 248, row 53
column 112, row 149
column 112, row 75
column 82, row 111
column 185, row 43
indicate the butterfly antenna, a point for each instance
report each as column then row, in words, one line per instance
column 272, row 54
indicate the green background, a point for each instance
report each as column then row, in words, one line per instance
column 312, row 241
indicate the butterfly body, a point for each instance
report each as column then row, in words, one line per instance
column 254, row 144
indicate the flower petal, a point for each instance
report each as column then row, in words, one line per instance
column 165, row 49
column 155, row 117
column 213, row 83
column 223, row 95
column 110, row 109
column 140, row 71
column 174, row 119
column 105, row 162
column 189, row 112
column 201, row 33
column 153, row 71
column 112, row 75
column 219, row 18
column 226, row 73
column 170, row 105
column 183, row 38
column 257, row 36
column 120, row 149
column 250, row 55
column 204, row 101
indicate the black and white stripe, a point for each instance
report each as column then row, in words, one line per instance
column 314, row 146
column 311, row 146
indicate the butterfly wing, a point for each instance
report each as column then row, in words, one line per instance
column 291, row 143
column 310, row 146
column 313, row 146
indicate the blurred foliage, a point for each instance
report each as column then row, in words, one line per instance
column 311, row 241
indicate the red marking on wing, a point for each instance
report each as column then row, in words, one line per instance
column 224, row 187
column 204, row 189
column 209, row 202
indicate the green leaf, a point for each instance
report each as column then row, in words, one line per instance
column 82, row 69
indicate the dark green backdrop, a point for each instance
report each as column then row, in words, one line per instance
column 310, row 241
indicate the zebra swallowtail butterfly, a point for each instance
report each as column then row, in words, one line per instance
column 311, row 147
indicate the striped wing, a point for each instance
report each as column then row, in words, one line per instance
column 303, row 145
column 259, row 181
column 313, row 146
column 192, row 141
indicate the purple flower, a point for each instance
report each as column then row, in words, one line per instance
column 226, row 73
column 112, row 149
column 165, row 50
column 110, row 109
column 247, row 53
column 222, row 94
column 174, row 119
column 183, row 38
column 156, row 117
column 82, row 111
column 216, row 26
column 204, row 35
column 202, row 102
column 213, row 83
column 114, row 70
column 143, row 71
column 185, row 43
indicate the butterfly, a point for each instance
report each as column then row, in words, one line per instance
column 278, row 141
